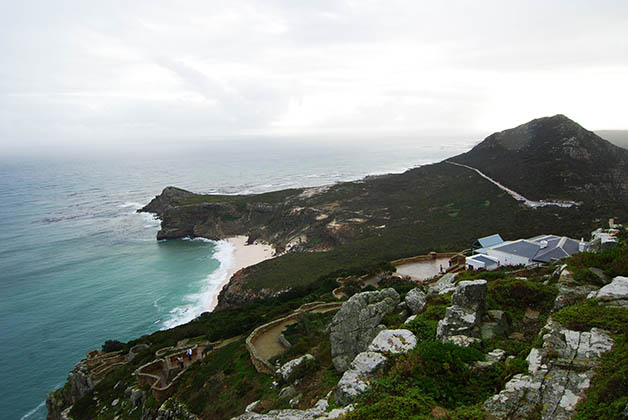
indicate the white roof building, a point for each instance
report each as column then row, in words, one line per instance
column 542, row 248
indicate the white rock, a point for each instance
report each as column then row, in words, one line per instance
column 448, row 281
column 614, row 294
column 354, row 381
column 416, row 300
column 496, row 355
column 288, row 369
column 393, row 341
column 462, row 340
column 249, row 408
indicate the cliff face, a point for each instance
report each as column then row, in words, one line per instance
column 553, row 158
column 289, row 222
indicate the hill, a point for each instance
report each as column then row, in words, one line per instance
column 553, row 158
column 355, row 227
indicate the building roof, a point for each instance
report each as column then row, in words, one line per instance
column 541, row 248
column 489, row 241
column 521, row 247
column 557, row 249
column 487, row 260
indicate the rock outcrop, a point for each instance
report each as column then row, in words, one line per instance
column 613, row 294
column 353, row 381
column 172, row 409
column 445, row 284
column 416, row 300
column 291, row 370
column 569, row 290
column 356, row 324
column 78, row 384
column 559, row 374
column 393, row 341
column 318, row 412
column 464, row 317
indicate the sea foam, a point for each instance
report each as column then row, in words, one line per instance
column 200, row 302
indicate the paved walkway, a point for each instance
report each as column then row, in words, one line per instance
column 516, row 195
column 266, row 344
column 423, row 270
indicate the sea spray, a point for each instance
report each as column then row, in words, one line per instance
column 200, row 302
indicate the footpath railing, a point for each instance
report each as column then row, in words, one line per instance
column 261, row 364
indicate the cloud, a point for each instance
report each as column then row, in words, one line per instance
column 88, row 73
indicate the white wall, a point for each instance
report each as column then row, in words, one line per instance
column 475, row 265
column 508, row 259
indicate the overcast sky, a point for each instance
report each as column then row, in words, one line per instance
column 122, row 72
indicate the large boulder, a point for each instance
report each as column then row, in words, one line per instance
column 393, row 341
column 464, row 317
column 558, row 376
column 356, row 324
column 353, row 381
column 471, row 295
column 613, row 294
column 458, row 321
column 416, row 300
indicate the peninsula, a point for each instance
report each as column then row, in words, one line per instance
column 328, row 329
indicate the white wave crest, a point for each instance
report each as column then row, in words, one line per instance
column 35, row 410
column 201, row 302
column 130, row 204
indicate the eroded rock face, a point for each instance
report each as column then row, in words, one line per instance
column 356, row 324
column 558, row 375
column 464, row 317
column 393, row 341
column 353, row 381
column 416, row 300
column 613, row 294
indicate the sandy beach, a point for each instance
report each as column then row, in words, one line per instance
column 243, row 256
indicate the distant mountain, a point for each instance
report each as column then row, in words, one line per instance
column 553, row 158
column 617, row 137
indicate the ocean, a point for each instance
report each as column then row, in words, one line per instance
column 79, row 266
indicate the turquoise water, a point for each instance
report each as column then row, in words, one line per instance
column 78, row 266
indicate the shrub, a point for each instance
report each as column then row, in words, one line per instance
column 112, row 345
column 515, row 295
column 589, row 314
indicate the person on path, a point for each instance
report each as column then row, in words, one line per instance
column 189, row 354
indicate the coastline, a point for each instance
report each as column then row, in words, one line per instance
column 243, row 256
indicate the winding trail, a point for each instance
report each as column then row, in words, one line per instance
column 516, row 195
